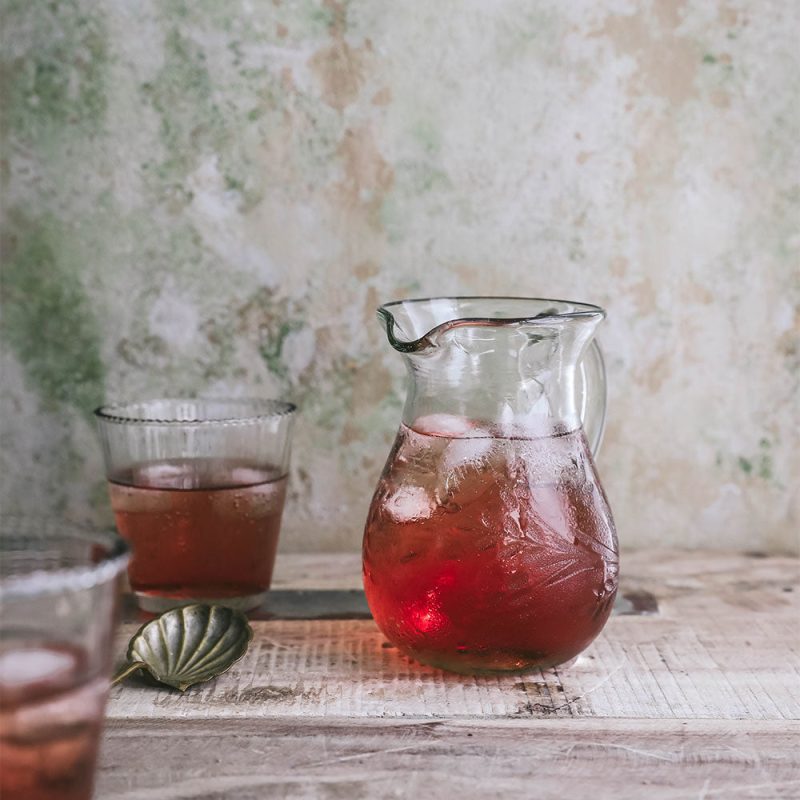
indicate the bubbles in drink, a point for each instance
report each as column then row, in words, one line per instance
column 200, row 528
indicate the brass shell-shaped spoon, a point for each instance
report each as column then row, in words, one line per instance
column 188, row 645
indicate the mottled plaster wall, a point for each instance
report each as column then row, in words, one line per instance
column 212, row 197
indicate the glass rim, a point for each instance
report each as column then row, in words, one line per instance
column 44, row 580
column 574, row 312
column 581, row 309
column 133, row 413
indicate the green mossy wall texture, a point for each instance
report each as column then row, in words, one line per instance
column 213, row 197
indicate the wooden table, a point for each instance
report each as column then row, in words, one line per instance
column 695, row 694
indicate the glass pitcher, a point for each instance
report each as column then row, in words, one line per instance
column 490, row 545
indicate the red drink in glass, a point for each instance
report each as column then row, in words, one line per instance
column 50, row 720
column 198, row 486
column 200, row 529
column 489, row 553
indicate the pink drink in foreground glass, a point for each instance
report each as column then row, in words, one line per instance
column 59, row 593
column 50, row 720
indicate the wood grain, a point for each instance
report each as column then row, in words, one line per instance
column 701, row 699
column 580, row 758
column 724, row 646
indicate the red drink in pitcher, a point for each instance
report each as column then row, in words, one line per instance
column 484, row 553
column 202, row 529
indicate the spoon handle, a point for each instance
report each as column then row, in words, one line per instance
column 126, row 671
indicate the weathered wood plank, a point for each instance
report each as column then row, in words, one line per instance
column 724, row 646
column 317, row 571
column 665, row 572
column 641, row 668
column 279, row 758
column 352, row 604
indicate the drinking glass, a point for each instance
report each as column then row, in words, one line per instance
column 198, row 488
column 59, row 592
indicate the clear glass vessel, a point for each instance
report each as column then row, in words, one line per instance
column 489, row 544
column 198, row 488
column 59, row 600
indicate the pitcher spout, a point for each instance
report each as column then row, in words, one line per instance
column 414, row 326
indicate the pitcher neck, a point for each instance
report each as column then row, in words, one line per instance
column 515, row 382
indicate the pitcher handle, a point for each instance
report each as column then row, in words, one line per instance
column 592, row 395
